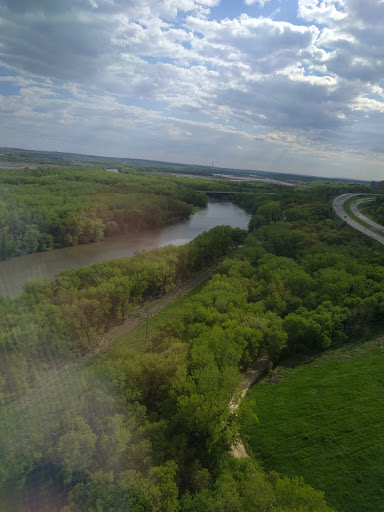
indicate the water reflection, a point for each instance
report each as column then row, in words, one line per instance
column 14, row 272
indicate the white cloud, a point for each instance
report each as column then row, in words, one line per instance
column 368, row 104
column 156, row 66
column 100, row 121
column 261, row 3
column 354, row 37
column 322, row 11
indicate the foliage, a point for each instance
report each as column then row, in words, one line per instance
column 150, row 429
column 58, row 207
column 56, row 320
column 329, row 411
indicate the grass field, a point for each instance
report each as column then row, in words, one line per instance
column 325, row 421
column 370, row 211
column 347, row 208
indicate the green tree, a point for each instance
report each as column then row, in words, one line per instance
column 30, row 240
column 75, row 448
column 45, row 242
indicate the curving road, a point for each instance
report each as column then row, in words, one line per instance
column 373, row 231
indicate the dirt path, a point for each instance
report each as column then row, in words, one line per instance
column 151, row 308
column 257, row 370
column 60, row 380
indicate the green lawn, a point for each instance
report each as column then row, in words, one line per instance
column 370, row 211
column 347, row 208
column 325, row 421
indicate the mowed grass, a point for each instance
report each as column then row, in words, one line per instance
column 325, row 421
column 347, row 208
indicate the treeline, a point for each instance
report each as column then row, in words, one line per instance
column 135, row 164
column 50, row 207
column 151, row 431
column 306, row 204
column 295, row 286
column 60, row 319
column 10, row 155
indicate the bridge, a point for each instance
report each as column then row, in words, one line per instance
column 235, row 192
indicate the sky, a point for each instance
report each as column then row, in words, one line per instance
column 274, row 85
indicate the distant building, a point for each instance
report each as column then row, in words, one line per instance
column 112, row 170
column 380, row 185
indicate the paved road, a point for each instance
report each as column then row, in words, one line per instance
column 338, row 206
column 355, row 208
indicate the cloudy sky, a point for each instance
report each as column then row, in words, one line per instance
column 275, row 85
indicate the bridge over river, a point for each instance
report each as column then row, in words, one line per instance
column 229, row 192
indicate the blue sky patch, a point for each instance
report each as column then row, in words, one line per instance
column 310, row 87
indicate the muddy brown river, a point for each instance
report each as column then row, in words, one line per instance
column 16, row 271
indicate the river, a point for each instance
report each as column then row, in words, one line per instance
column 14, row 272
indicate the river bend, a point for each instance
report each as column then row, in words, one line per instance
column 14, row 272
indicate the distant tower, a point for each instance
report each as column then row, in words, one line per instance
column 212, row 165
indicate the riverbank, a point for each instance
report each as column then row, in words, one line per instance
column 46, row 265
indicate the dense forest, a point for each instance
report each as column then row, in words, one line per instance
column 53, row 207
column 66, row 317
column 149, row 428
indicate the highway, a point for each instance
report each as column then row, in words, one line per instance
column 338, row 206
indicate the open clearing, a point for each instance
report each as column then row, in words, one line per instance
column 325, row 421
